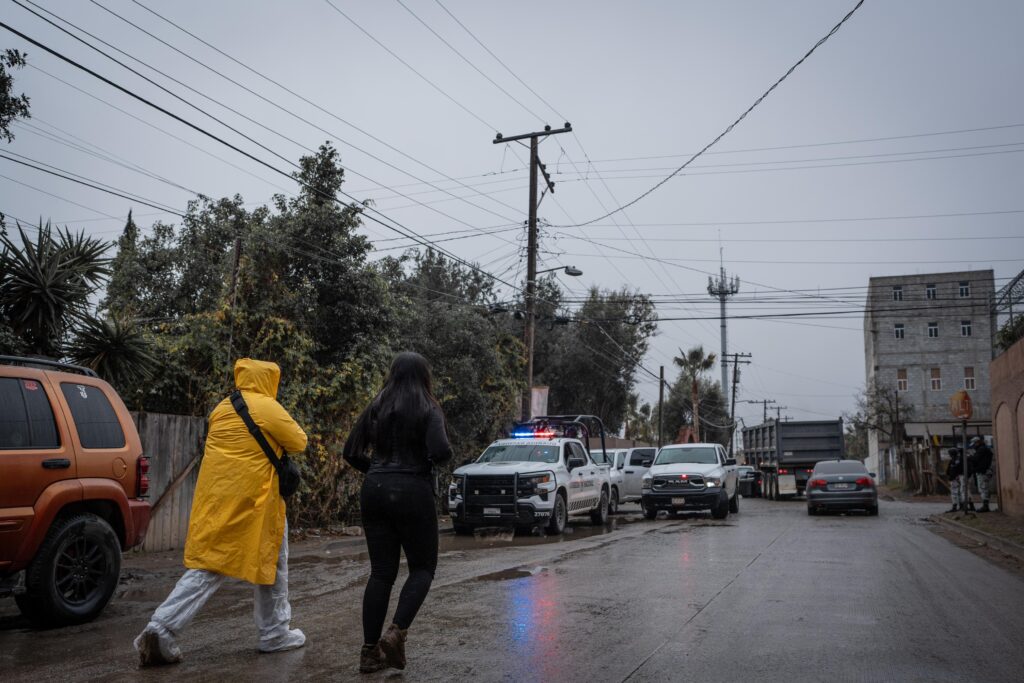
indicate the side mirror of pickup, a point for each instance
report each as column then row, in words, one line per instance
column 730, row 462
column 574, row 463
column 646, row 463
column 874, row 475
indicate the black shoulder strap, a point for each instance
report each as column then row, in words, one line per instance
column 243, row 411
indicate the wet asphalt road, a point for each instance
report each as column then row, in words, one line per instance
column 770, row 594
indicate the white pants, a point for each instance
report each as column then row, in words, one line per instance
column 272, row 611
column 956, row 493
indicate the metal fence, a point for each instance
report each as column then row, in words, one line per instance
column 174, row 444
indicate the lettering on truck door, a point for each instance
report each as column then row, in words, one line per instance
column 581, row 482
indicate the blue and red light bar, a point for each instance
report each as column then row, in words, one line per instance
column 534, row 434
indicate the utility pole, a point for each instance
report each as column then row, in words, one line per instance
column 661, row 401
column 765, row 403
column 737, row 359
column 722, row 289
column 233, row 298
column 778, row 412
column 531, row 248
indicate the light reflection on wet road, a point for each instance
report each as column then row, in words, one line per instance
column 761, row 596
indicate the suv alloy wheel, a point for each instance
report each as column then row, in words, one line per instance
column 74, row 574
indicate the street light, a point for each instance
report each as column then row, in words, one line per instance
column 531, row 289
column 568, row 270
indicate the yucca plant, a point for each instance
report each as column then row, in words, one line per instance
column 45, row 284
column 116, row 348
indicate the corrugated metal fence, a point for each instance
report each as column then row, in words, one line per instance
column 173, row 444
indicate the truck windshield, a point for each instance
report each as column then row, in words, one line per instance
column 700, row 456
column 520, row 452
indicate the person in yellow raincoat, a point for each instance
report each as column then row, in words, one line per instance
column 237, row 527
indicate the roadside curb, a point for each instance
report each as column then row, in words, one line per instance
column 1008, row 547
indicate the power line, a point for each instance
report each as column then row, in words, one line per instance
column 738, row 120
column 402, row 230
column 300, row 118
column 87, row 183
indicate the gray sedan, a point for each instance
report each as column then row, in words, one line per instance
column 841, row 485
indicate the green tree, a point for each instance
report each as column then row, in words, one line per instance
column 1010, row 333
column 714, row 427
column 12, row 106
column 118, row 349
column 694, row 363
column 590, row 358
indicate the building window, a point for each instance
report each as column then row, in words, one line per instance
column 933, row 330
column 965, row 328
column 901, row 380
column 936, row 378
column 965, row 290
column 897, row 330
column 897, row 293
column 969, row 379
column 929, row 291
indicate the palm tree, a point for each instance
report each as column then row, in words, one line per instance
column 45, row 285
column 116, row 348
column 694, row 364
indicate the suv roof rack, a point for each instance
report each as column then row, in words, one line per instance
column 47, row 363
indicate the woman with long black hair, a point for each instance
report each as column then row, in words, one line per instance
column 396, row 442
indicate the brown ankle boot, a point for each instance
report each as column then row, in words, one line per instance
column 371, row 659
column 392, row 644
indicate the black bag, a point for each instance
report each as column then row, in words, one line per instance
column 288, row 476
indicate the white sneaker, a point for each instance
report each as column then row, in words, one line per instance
column 291, row 640
column 156, row 648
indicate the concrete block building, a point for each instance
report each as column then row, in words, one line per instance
column 928, row 336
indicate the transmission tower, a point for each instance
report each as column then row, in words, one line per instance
column 722, row 289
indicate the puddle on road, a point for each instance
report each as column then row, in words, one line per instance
column 492, row 537
column 510, row 574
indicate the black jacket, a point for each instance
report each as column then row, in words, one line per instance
column 981, row 461
column 409, row 451
column 954, row 468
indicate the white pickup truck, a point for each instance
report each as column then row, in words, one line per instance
column 693, row 476
column 536, row 478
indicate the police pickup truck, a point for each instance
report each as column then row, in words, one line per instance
column 693, row 476
column 538, row 477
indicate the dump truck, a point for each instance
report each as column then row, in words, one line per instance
column 785, row 452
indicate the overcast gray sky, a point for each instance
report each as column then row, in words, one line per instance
column 874, row 142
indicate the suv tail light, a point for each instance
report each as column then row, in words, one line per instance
column 817, row 484
column 865, row 482
column 142, row 477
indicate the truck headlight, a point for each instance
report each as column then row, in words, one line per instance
column 645, row 483
column 455, row 488
column 714, row 481
column 540, row 484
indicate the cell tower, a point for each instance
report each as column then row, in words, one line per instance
column 722, row 289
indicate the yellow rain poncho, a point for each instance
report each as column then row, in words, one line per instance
column 238, row 515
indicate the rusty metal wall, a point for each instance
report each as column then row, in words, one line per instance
column 173, row 444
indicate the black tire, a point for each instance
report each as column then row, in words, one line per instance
column 649, row 512
column 773, row 488
column 74, row 573
column 721, row 509
column 811, row 512
column 559, row 516
column 600, row 515
column 873, row 511
column 734, row 504
column 613, row 502
column 462, row 529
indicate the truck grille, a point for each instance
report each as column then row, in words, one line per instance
column 491, row 489
column 676, row 484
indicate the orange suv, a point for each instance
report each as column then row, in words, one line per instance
column 73, row 486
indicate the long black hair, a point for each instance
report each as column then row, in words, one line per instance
column 398, row 414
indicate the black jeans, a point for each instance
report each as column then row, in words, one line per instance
column 398, row 514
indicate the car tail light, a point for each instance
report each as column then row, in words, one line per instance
column 142, row 477
column 817, row 484
column 783, row 471
column 865, row 482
